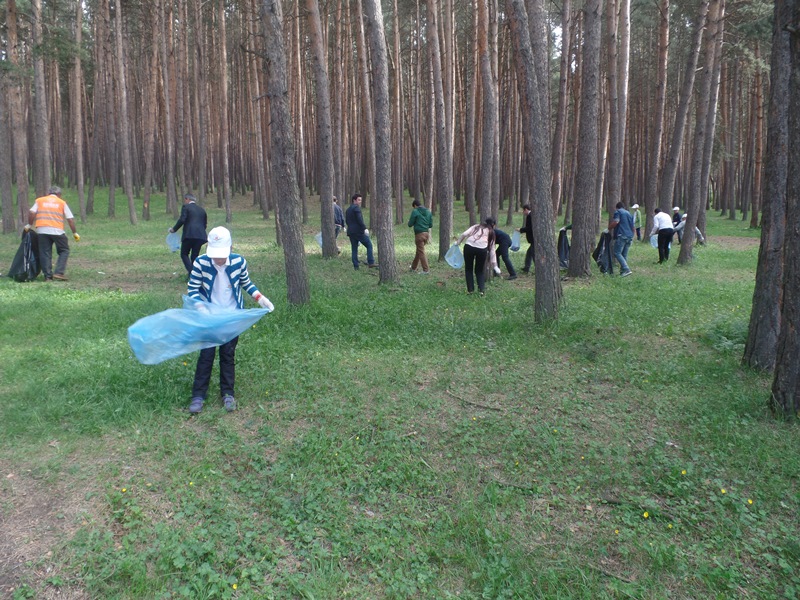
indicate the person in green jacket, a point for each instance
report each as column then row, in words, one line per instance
column 421, row 220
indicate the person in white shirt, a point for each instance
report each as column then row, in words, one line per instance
column 479, row 245
column 679, row 230
column 662, row 225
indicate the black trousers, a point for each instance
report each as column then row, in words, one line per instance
column 227, row 370
column 664, row 239
column 502, row 253
column 475, row 267
column 190, row 250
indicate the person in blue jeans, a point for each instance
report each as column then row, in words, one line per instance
column 621, row 227
column 357, row 232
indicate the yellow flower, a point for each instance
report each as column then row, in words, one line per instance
column 234, row 585
column 474, row 419
column 683, row 472
column 669, row 526
column 124, row 490
column 191, row 483
column 184, row 363
column 555, row 430
column 616, row 531
column 723, row 491
column 646, row 515
column 581, row 458
column 749, row 501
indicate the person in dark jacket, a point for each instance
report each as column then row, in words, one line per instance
column 194, row 221
column 530, row 255
column 357, row 232
column 338, row 217
column 421, row 220
column 502, row 243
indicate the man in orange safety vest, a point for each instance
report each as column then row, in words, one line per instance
column 48, row 214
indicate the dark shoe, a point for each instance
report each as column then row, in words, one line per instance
column 511, row 278
column 373, row 266
column 229, row 403
column 59, row 277
column 526, row 271
column 196, row 405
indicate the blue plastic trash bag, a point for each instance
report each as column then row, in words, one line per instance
column 654, row 240
column 318, row 237
column 179, row 331
column 515, row 240
column 454, row 257
column 173, row 241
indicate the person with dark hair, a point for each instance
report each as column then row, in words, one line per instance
column 621, row 227
column 194, row 221
column 338, row 217
column 357, row 232
column 662, row 225
column 479, row 244
column 530, row 255
column 502, row 244
column 421, row 220
column 48, row 215
column 676, row 219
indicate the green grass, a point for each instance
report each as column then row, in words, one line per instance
column 405, row 441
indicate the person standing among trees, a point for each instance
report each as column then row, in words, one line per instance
column 338, row 217
column 622, row 229
column 357, row 232
column 48, row 214
column 676, row 219
column 421, row 220
column 637, row 222
column 479, row 245
column 530, row 255
column 503, row 243
column 194, row 221
column 662, row 225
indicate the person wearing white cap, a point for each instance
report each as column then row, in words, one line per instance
column 676, row 219
column 679, row 230
column 219, row 277
column 637, row 222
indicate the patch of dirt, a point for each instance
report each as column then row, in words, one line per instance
column 735, row 243
column 36, row 517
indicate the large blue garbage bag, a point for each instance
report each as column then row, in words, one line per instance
column 454, row 257
column 179, row 331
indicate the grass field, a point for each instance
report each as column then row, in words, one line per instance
column 406, row 441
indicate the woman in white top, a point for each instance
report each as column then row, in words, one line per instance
column 479, row 245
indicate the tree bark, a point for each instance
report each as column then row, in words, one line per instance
column 125, row 126
column 76, row 90
column 785, row 399
column 172, row 194
column 224, row 132
column 585, row 208
column 6, row 176
column 367, row 117
column 489, row 112
column 559, row 135
column 288, row 214
column 16, row 82
column 537, row 145
column 373, row 18
column 41, row 124
column 765, row 316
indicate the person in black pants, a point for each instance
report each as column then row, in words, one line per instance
column 530, row 255
column 503, row 242
column 194, row 221
column 479, row 245
column 662, row 225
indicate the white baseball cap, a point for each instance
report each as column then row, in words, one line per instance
column 675, row 209
column 635, row 206
column 219, row 243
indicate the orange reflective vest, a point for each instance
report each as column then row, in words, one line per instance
column 50, row 212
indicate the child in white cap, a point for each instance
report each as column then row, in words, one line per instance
column 637, row 221
column 219, row 277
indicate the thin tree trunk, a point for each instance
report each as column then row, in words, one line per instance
column 224, row 132
column 41, row 125
column 16, row 84
column 6, row 170
column 77, row 112
column 288, row 214
column 559, row 135
column 125, row 126
column 489, row 112
column 172, row 194
column 366, row 104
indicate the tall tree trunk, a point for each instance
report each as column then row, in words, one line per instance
column 224, row 131
column 76, row 90
column 444, row 159
column 288, row 213
column 765, row 316
column 397, row 119
column 701, row 135
column 366, row 104
column 758, row 92
column 537, row 145
column 324, row 130
column 41, row 124
column 373, row 17
column 585, row 209
column 125, row 125
column 786, row 384
column 559, row 135
column 172, row 194
column 150, row 111
column 649, row 199
column 201, row 109
column 489, row 112
column 670, row 172
column 16, row 82
column 6, row 170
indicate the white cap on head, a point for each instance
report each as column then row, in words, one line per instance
column 219, row 243
column 635, row 206
column 675, row 209
column 683, row 218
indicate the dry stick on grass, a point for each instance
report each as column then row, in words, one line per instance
column 459, row 398
column 610, row 574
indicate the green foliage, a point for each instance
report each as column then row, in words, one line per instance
column 405, row 441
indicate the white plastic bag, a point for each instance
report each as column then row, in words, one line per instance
column 454, row 257
column 515, row 241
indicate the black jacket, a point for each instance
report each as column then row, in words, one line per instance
column 194, row 220
column 502, row 240
column 354, row 220
column 528, row 229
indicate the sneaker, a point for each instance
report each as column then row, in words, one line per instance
column 626, row 273
column 373, row 266
column 229, row 403
column 424, row 272
column 60, row 277
column 196, row 405
column 511, row 278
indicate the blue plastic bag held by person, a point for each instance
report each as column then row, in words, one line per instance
column 454, row 257
column 173, row 241
column 179, row 331
column 515, row 241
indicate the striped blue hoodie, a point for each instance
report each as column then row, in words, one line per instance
column 201, row 281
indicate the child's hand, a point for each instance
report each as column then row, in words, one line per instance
column 264, row 302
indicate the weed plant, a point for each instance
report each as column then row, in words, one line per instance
column 394, row 441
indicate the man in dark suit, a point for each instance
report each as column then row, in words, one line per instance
column 530, row 255
column 357, row 232
column 194, row 220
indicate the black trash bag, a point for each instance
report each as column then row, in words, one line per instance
column 602, row 254
column 25, row 266
column 563, row 250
